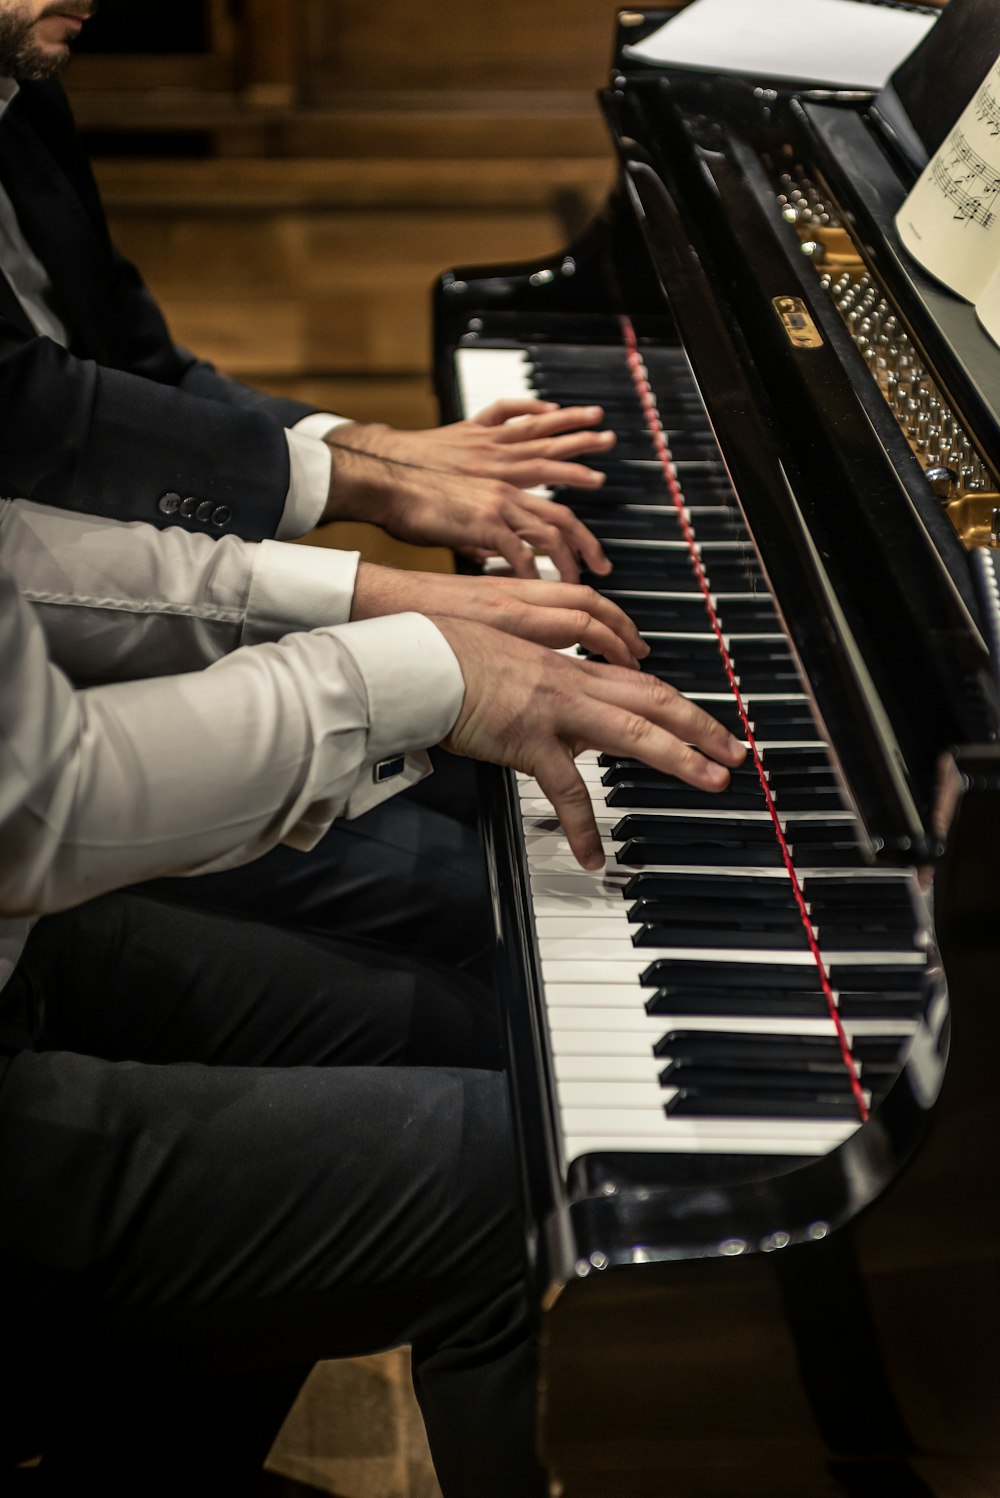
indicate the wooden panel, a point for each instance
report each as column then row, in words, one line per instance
column 456, row 44
column 326, row 269
column 303, row 77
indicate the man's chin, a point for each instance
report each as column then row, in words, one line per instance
column 41, row 62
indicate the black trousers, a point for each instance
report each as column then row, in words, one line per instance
column 410, row 875
column 234, row 1149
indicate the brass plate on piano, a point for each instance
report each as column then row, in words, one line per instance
column 797, row 321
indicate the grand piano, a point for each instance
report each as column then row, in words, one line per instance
column 754, row 1064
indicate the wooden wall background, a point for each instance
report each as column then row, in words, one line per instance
column 292, row 188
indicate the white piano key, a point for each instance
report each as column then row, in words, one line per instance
column 654, row 1123
column 606, row 1069
column 726, row 1136
column 542, row 810
column 580, row 1030
column 599, row 948
column 485, row 375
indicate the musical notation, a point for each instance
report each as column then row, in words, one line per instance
column 966, row 179
column 987, row 109
column 950, row 220
column 969, row 207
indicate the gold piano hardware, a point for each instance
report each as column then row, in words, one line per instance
column 828, row 245
column 955, row 469
column 976, row 518
column 797, row 321
column 631, row 17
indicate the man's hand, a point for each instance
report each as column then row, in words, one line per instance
column 535, row 711
column 554, row 614
column 526, row 443
column 459, row 486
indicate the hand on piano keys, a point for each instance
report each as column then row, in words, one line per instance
column 534, row 710
column 559, row 615
column 465, row 485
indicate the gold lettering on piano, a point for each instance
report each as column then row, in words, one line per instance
column 797, row 321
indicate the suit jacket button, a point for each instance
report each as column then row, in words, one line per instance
column 170, row 504
column 221, row 515
column 204, row 510
column 188, row 507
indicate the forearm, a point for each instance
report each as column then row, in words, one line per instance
column 127, row 782
column 119, row 600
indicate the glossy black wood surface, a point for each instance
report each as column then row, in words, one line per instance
column 826, row 1329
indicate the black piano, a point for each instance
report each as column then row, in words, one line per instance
column 755, row 1063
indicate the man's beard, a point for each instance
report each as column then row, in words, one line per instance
column 20, row 55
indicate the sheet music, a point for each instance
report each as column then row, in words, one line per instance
column 950, row 222
column 839, row 43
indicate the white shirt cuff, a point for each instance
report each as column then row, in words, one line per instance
column 319, row 423
column 309, row 462
column 415, row 693
column 297, row 587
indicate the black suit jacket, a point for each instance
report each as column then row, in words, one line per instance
column 124, row 422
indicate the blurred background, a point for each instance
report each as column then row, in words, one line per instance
column 291, row 176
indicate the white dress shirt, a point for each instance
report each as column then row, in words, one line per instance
column 191, row 773
column 119, row 599
column 309, row 457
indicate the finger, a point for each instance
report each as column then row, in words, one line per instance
column 507, row 544
column 578, row 537
column 558, row 419
column 563, row 596
column 546, row 539
column 540, row 473
column 662, row 706
column 559, row 628
column 563, row 785
column 553, row 449
column 507, row 410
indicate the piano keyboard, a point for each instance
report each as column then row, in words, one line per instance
column 685, row 1007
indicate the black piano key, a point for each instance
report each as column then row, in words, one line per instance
column 782, row 915
column 696, row 1105
column 843, row 892
column 721, row 574
column 769, row 716
column 646, row 852
column 825, row 1080
column 903, row 1003
column 833, row 939
column 838, row 854
column 617, row 769
column 791, row 761
column 735, row 1048
column 628, row 793
column 820, row 777
column 684, row 829
column 715, row 886
column 720, row 937
column 867, row 915
column 884, row 978
column 689, row 976
column 801, row 1003
column 823, row 798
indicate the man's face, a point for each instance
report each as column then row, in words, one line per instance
column 36, row 35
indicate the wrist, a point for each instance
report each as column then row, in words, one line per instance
column 356, row 484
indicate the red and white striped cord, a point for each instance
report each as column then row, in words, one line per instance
column 651, row 416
